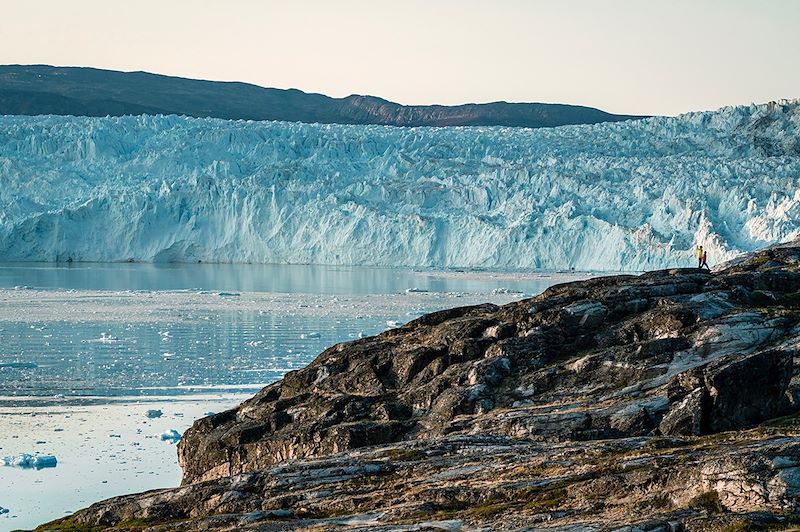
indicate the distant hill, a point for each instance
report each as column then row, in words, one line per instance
column 42, row 89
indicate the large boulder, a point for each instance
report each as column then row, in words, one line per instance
column 585, row 360
column 743, row 391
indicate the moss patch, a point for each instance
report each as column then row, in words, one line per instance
column 739, row 526
column 405, row 455
column 708, row 501
column 68, row 523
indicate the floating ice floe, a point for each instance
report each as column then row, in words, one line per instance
column 306, row 336
column 229, row 294
column 4, row 510
column 415, row 290
column 30, row 461
column 154, row 413
column 498, row 291
column 171, row 435
column 393, row 323
column 105, row 338
column 18, row 365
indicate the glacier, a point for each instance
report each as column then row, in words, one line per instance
column 616, row 196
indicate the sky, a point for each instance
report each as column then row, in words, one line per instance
column 624, row 56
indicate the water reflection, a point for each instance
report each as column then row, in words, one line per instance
column 309, row 279
column 225, row 351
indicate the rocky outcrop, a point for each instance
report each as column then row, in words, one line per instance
column 649, row 400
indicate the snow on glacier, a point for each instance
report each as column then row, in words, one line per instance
column 626, row 195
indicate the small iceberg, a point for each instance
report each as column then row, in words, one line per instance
column 393, row 323
column 152, row 414
column 105, row 338
column 4, row 510
column 171, row 435
column 30, row 461
column 306, row 336
column 415, row 290
column 18, row 365
column 509, row 291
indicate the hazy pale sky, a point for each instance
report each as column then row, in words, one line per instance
column 624, row 56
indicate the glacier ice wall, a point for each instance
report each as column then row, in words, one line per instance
column 618, row 196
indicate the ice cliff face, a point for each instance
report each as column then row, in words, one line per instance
column 627, row 195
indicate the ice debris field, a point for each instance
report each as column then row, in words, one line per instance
column 629, row 195
column 101, row 382
column 79, row 454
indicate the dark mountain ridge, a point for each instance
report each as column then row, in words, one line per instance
column 80, row 91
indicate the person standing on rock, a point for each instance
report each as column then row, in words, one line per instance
column 699, row 256
column 703, row 260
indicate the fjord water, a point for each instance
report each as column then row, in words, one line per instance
column 88, row 349
column 308, row 279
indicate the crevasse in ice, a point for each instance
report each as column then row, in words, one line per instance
column 619, row 196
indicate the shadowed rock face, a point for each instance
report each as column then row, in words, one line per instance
column 598, row 402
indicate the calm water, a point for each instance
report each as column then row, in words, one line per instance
column 307, row 279
column 87, row 349
column 229, row 346
column 227, row 351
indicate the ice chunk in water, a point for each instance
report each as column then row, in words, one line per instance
column 305, row 336
column 171, row 435
column 152, row 414
column 30, row 461
column 18, row 365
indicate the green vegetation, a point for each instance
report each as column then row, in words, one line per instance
column 708, row 501
column 406, row 455
column 130, row 525
column 739, row 526
column 68, row 523
column 533, row 498
column 488, row 510
column 547, row 500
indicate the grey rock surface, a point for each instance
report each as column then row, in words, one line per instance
column 665, row 401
